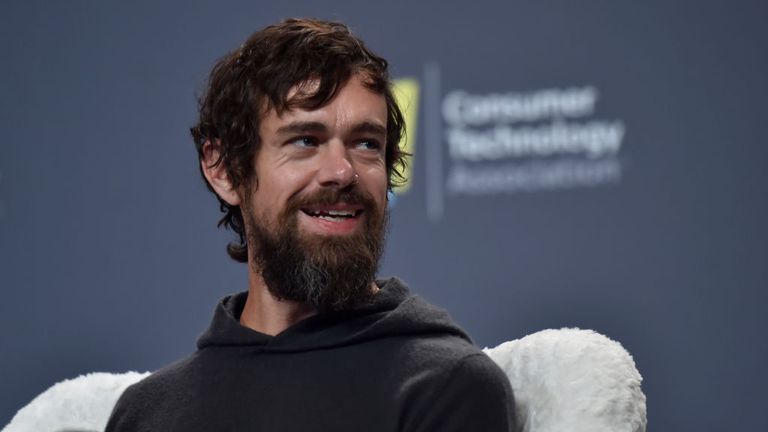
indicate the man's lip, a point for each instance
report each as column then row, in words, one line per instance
column 323, row 225
column 357, row 208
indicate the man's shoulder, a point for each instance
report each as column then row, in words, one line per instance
column 156, row 387
column 433, row 359
column 150, row 397
column 170, row 375
column 437, row 349
column 453, row 387
column 451, row 355
column 425, row 340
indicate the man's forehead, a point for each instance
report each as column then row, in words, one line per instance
column 362, row 105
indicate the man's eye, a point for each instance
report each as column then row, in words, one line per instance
column 304, row 142
column 369, row 144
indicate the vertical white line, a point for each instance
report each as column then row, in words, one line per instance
column 433, row 136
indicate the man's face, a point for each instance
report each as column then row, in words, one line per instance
column 315, row 216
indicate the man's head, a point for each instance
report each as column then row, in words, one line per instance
column 298, row 137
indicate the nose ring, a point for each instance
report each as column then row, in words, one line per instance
column 356, row 179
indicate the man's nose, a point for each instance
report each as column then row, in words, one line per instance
column 336, row 169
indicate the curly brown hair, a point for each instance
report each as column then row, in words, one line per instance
column 258, row 76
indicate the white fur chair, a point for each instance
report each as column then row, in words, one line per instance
column 567, row 380
column 572, row 380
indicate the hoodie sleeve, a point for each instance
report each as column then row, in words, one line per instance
column 473, row 395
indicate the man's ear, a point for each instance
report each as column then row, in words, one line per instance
column 217, row 176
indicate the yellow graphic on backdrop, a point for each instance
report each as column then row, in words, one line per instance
column 406, row 91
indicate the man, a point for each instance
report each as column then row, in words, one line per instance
column 298, row 138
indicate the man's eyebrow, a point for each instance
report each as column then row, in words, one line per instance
column 369, row 127
column 300, row 127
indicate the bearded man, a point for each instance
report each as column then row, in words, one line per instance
column 298, row 138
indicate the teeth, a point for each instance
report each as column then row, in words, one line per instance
column 339, row 213
column 330, row 218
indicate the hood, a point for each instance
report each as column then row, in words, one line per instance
column 393, row 312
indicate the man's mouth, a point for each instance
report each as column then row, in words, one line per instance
column 333, row 215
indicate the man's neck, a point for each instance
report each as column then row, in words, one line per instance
column 267, row 314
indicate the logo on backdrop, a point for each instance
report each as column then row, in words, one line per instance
column 528, row 141
column 507, row 142
column 406, row 92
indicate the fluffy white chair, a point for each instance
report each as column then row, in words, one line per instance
column 82, row 404
column 567, row 380
column 572, row 380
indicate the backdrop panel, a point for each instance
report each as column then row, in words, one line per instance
column 590, row 164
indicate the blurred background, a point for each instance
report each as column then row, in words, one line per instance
column 576, row 164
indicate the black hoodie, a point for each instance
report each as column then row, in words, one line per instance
column 398, row 364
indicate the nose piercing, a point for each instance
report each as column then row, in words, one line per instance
column 356, row 179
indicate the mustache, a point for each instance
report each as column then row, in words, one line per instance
column 329, row 196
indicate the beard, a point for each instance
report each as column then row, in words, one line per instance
column 327, row 272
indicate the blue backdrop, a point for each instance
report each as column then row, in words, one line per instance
column 590, row 164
